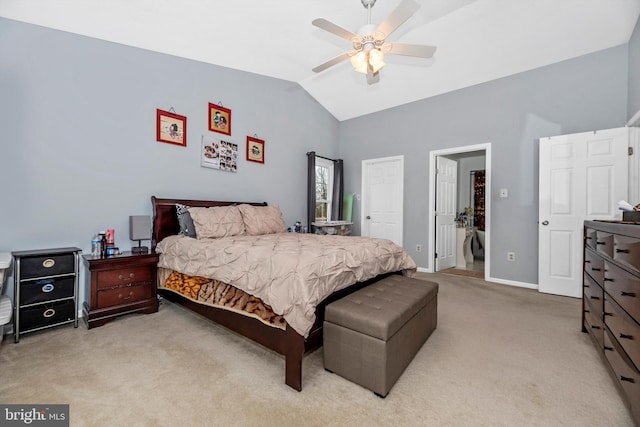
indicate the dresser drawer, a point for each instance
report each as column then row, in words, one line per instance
column 125, row 276
column 626, row 251
column 47, row 265
column 125, row 295
column 625, row 330
column 594, row 324
column 46, row 314
column 594, row 265
column 624, row 288
column 592, row 292
column 627, row 376
column 46, row 290
column 604, row 243
column 590, row 238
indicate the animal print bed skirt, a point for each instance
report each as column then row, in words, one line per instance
column 218, row 294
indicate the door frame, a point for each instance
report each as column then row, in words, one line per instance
column 486, row 147
column 365, row 195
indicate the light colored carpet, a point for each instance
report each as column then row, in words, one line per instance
column 500, row 356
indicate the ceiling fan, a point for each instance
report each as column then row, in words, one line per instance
column 369, row 42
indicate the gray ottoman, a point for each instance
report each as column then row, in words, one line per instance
column 372, row 335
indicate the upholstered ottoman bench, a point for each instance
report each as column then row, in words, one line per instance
column 371, row 336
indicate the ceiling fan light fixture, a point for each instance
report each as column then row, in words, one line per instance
column 376, row 60
column 359, row 62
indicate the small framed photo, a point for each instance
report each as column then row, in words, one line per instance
column 255, row 150
column 219, row 119
column 171, row 128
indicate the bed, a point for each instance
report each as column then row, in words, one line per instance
column 301, row 330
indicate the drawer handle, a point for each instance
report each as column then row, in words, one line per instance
column 606, row 279
column 626, row 336
column 131, row 276
column 127, row 297
column 622, row 251
column 593, row 297
column 608, row 314
column 49, row 287
column 48, row 263
column 587, row 311
column 623, row 378
column 601, row 243
column 586, row 286
column 628, row 294
column 50, row 312
column 596, row 269
column 595, row 327
column 587, row 261
column 608, row 348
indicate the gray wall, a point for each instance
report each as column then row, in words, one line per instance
column 78, row 150
column 512, row 113
column 633, row 103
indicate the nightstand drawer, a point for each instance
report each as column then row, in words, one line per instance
column 46, row 290
column 125, row 276
column 47, row 265
column 124, row 295
column 46, row 314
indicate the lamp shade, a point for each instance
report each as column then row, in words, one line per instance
column 140, row 227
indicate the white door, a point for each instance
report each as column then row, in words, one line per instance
column 582, row 176
column 446, row 196
column 382, row 198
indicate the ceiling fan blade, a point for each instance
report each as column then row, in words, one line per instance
column 419, row 50
column 335, row 29
column 398, row 16
column 332, row 62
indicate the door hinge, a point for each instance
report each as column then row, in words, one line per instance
column 631, row 151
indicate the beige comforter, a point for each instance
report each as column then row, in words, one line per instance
column 291, row 272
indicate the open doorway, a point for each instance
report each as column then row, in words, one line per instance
column 468, row 242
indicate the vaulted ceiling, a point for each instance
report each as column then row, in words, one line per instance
column 477, row 40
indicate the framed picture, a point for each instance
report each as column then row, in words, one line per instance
column 219, row 119
column 171, row 128
column 255, row 150
column 219, row 154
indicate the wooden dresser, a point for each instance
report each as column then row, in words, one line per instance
column 611, row 301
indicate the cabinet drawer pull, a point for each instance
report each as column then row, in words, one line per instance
column 594, row 297
column 607, row 314
column 127, row 297
column 606, row 279
column 587, row 311
column 601, row 243
column 596, row 269
column 622, row 251
column 595, row 327
column 131, row 276
column 623, row 378
column 626, row 336
column 628, row 294
column 50, row 312
column 608, row 348
column 586, row 286
column 587, row 261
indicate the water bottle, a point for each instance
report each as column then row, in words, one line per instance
column 95, row 245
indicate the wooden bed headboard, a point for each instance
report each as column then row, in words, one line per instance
column 165, row 218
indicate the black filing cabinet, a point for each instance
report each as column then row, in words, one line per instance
column 46, row 289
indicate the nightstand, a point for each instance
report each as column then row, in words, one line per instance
column 119, row 285
column 46, row 289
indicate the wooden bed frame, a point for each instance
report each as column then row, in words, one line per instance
column 286, row 342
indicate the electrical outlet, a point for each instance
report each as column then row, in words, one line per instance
column 418, row 248
column 511, row 256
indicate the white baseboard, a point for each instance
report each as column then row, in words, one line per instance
column 495, row 280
